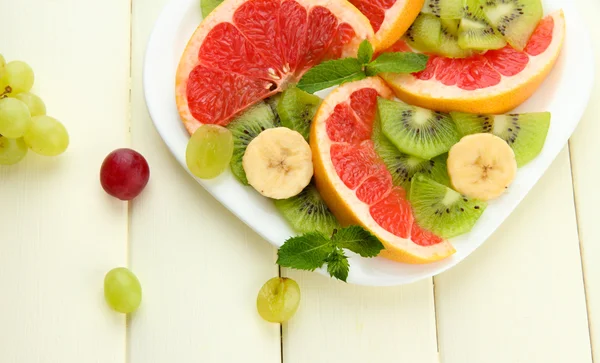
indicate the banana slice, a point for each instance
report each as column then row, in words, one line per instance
column 278, row 163
column 481, row 166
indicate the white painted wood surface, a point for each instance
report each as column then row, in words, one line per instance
column 201, row 268
column 59, row 232
column 520, row 298
column 584, row 150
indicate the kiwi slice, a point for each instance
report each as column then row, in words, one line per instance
column 525, row 133
column 402, row 166
column 450, row 26
column 516, row 20
column 307, row 212
column 425, row 34
column 207, row 6
column 435, row 35
column 272, row 102
column 442, row 210
column 475, row 32
column 244, row 129
column 296, row 110
column 445, row 9
column 417, row 131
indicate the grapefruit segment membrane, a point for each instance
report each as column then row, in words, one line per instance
column 491, row 83
column 247, row 50
column 355, row 182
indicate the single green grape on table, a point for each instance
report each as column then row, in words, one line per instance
column 12, row 150
column 209, row 151
column 15, row 118
column 47, row 136
column 278, row 299
column 122, row 290
column 18, row 76
column 34, row 103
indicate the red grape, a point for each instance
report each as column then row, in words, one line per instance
column 124, row 174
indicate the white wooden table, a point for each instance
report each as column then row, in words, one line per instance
column 530, row 294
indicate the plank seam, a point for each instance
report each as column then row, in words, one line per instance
column 280, row 326
column 436, row 320
column 581, row 256
column 128, row 238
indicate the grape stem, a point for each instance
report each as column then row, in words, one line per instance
column 7, row 90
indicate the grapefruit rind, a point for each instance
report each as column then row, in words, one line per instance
column 501, row 98
column 397, row 20
column 342, row 10
column 343, row 202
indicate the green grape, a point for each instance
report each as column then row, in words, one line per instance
column 122, row 290
column 47, row 136
column 278, row 299
column 12, row 150
column 14, row 117
column 35, row 103
column 209, row 151
column 19, row 76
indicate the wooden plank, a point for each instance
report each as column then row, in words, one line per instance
column 584, row 150
column 60, row 233
column 520, row 297
column 200, row 266
column 337, row 322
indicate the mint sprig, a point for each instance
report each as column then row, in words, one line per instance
column 312, row 250
column 335, row 72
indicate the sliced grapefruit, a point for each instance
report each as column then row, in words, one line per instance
column 247, row 50
column 389, row 18
column 354, row 181
column 493, row 83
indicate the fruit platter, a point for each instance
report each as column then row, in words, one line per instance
column 390, row 137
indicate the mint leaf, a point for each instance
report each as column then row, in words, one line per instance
column 331, row 73
column 358, row 240
column 365, row 52
column 400, row 62
column 306, row 252
column 337, row 265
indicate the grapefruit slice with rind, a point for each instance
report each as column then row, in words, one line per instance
column 494, row 82
column 247, row 50
column 354, row 181
column 390, row 19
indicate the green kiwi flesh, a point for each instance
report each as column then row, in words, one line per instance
column 435, row 35
column 525, row 133
column 244, row 129
column 450, row 26
column 207, row 6
column 516, row 20
column 417, row 131
column 445, row 9
column 307, row 212
column 475, row 32
column 425, row 34
column 296, row 110
column 272, row 102
column 442, row 210
column 403, row 167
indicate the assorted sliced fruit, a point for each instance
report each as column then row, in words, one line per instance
column 24, row 124
column 494, row 82
column 413, row 172
column 247, row 50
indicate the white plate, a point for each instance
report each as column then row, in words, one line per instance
column 565, row 93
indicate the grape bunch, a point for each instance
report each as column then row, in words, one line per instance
column 24, row 124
